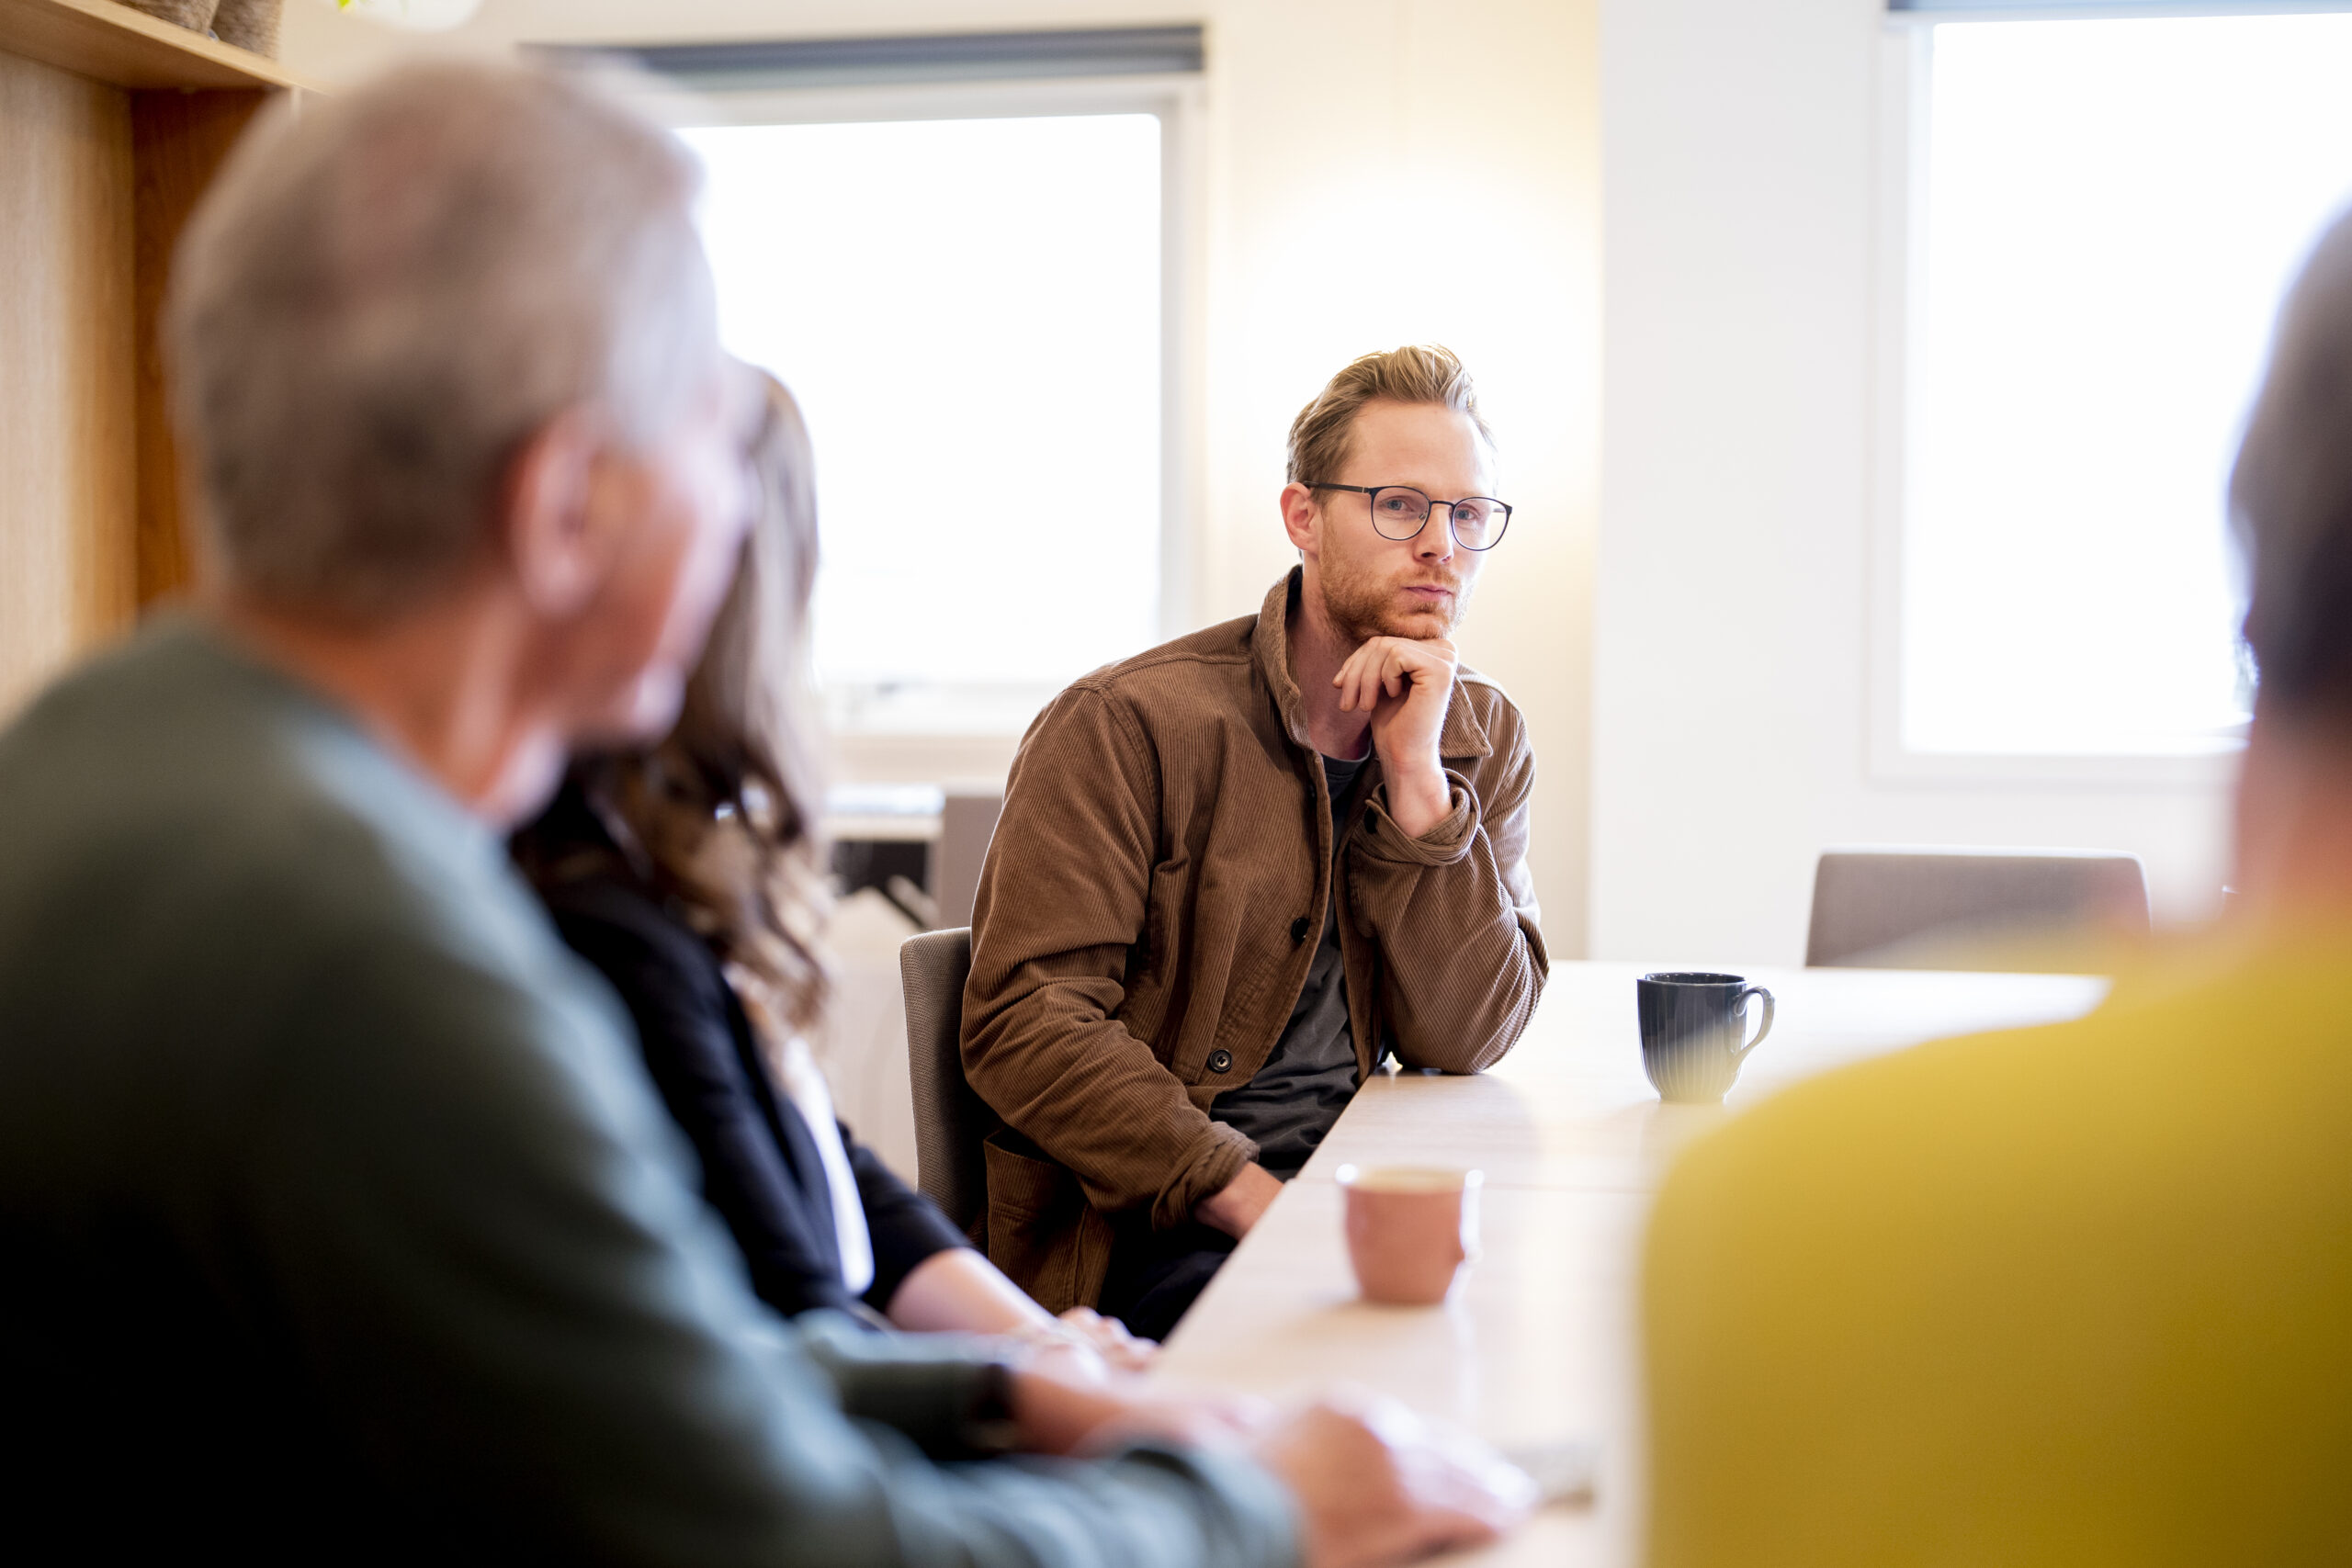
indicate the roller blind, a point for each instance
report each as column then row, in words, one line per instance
column 914, row 58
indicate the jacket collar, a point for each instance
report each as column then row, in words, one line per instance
column 1462, row 736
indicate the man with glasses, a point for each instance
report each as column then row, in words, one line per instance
column 1237, row 872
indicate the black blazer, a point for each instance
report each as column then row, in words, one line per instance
column 760, row 1166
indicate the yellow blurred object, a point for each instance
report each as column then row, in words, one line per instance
column 2078, row 1294
column 2078, row 948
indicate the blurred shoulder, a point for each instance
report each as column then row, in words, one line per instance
column 186, row 811
column 1872, row 1147
column 638, row 940
column 2195, row 1042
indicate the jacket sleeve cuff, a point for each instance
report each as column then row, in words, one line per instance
column 1210, row 1172
column 1447, row 842
column 1245, row 1515
column 948, row 1393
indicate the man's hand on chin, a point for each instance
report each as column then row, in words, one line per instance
column 1405, row 684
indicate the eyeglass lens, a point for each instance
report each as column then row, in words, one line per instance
column 1398, row 511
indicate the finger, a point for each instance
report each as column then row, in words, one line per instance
column 1465, row 1517
column 1421, row 659
column 1350, row 673
column 1120, row 1348
column 1449, row 1530
column 1115, row 1342
column 1459, row 1477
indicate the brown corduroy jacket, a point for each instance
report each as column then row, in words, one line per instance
column 1151, row 903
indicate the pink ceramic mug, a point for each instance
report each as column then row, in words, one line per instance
column 1410, row 1228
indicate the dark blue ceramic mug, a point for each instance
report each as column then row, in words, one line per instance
column 1693, row 1033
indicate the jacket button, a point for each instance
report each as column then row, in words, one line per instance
column 1298, row 928
column 1220, row 1061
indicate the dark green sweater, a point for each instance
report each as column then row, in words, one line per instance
column 340, row 1221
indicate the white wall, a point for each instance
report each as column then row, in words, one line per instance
column 1732, row 602
column 1477, row 116
column 1726, row 726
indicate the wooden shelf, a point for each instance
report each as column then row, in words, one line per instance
column 112, row 127
column 115, row 44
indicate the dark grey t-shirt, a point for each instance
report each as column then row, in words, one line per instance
column 1292, row 1101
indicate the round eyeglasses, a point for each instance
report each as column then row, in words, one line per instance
column 1400, row 512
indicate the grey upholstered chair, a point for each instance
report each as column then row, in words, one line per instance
column 966, row 823
column 951, row 1121
column 1895, row 908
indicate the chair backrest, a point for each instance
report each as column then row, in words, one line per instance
column 951, row 1121
column 966, row 823
column 1880, row 908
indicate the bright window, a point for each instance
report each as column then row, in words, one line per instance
column 970, row 313
column 2112, row 211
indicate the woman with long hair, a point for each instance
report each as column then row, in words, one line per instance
column 690, row 872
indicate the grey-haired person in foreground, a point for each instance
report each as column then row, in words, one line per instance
column 341, row 1222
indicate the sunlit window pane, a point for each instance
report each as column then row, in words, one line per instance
column 2113, row 210
column 969, row 312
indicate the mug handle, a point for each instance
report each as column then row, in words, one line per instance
column 1739, row 1005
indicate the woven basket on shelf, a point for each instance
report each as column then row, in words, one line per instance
column 249, row 24
column 194, row 15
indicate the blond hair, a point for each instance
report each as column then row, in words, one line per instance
column 1419, row 373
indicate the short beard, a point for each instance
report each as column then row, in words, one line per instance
column 1362, row 607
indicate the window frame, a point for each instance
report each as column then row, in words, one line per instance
column 1178, row 101
column 1899, row 216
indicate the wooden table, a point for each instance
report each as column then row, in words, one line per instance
column 1536, row 1344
